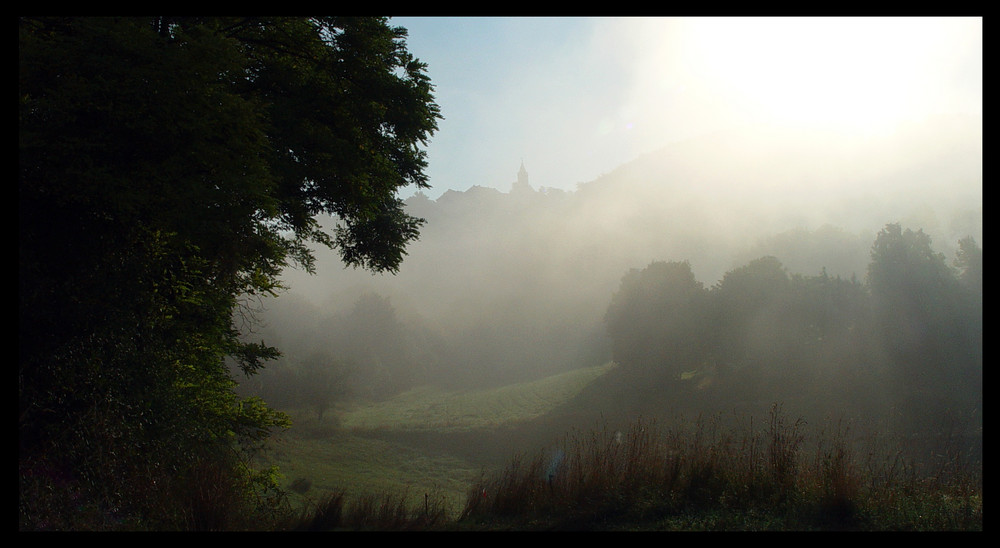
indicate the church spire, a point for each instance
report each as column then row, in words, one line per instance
column 522, row 180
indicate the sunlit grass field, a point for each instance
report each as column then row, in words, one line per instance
column 429, row 408
column 317, row 458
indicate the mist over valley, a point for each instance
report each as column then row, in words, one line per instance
column 512, row 286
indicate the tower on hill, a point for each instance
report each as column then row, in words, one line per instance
column 521, row 185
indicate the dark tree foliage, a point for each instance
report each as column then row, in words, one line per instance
column 656, row 319
column 168, row 168
column 914, row 296
column 928, row 317
column 909, row 340
column 372, row 334
column 969, row 261
column 745, row 299
column 321, row 382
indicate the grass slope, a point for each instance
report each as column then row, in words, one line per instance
column 429, row 408
column 339, row 454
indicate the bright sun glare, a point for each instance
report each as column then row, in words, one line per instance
column 863, row 73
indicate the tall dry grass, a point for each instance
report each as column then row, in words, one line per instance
column 372, row 512
column 709, row 473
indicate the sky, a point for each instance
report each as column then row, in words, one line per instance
column 573, row 98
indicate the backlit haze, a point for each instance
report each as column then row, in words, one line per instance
column 714, row 141
column 575, row 97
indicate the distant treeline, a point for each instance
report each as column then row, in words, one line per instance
column 909, row 337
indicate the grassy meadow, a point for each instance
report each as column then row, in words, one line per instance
column 356, row 450
column 501, row 460
column 427, row 408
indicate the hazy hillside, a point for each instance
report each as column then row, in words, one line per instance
column 516, row 284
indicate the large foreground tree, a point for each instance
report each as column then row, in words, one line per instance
column 168, row 169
